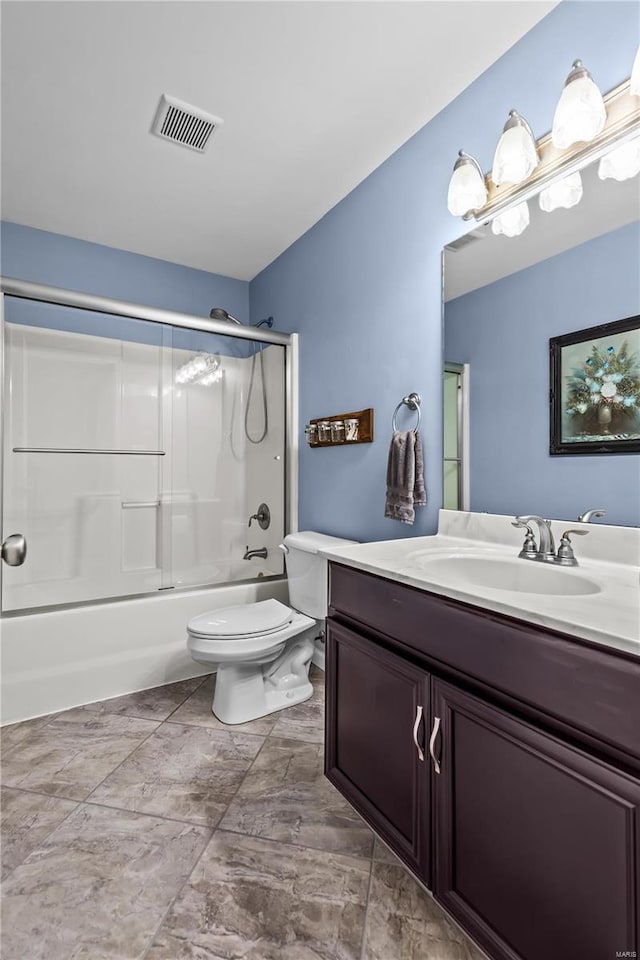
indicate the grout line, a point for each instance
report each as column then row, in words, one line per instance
column 117, row 767
column 135, row 716
column 293, row 843
column 204, row 849
column 118, row 713
column 53, row 829
column 146, row 813
column 192, row 694
column 366, row 909
column 157, row 929
column 106, row 806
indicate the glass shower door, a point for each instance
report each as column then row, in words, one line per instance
column 83, row 444
column 225, row 457
column 135, row 456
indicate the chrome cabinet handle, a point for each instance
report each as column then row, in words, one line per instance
column 416, row 727
column 432, row 741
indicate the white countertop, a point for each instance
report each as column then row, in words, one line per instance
column 609, row 558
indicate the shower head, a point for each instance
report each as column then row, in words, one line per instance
column 217, row 313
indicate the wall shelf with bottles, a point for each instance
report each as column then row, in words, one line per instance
column 341, row 430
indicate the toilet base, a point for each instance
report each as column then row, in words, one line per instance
column 247, row 691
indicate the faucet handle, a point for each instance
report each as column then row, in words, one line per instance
column 565, row 550
column 529, row 547
column 521, row 522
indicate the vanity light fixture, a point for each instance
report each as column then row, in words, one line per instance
column 586, row 127
column 467, row 189
column 516, row 155
column 565, row 193
column 512, row 221
column 621, row 163
column 581, row 114
column 634, row 85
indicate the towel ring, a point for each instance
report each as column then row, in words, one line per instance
column 412, row 401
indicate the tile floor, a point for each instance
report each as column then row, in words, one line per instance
column 142, row 827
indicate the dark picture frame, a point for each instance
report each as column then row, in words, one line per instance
column 595, row 389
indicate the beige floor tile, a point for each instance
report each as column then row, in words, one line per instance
column 15, row 733
column 26, row 819
column 305, row 722
column 187, row 773
column 261, row 900
column 71, row 754
column 404, row 923
column 286, row 797
column 98, row 887
column 156, row 703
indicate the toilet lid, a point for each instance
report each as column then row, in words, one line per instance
column 247, row 620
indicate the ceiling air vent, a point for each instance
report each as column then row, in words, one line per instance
column 184, row 124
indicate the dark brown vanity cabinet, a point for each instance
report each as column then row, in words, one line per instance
column 377, row 711
column 531, row 796
column 537, row 843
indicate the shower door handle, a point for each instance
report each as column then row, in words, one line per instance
column 14, row 550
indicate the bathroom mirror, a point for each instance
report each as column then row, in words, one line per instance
column 504, row 299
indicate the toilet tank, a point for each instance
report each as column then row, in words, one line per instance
column 307, row 570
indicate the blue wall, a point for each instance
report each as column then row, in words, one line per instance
column 44, row 257
column 363, row 285
column 503, row 331
column 60, row 261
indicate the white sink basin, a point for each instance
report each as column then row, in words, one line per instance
column 515, row 576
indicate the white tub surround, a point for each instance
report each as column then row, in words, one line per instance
column 58, row 659
column 601, row 602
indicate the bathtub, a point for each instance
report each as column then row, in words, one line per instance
column 58, row 659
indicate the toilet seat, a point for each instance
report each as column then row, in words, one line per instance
column 244, row 622
column 246, row 634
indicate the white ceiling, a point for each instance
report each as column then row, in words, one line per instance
column 314, row 96
column 606, row 205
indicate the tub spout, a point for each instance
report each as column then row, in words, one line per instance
column 250, row 554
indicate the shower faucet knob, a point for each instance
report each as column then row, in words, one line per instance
column 263, row 516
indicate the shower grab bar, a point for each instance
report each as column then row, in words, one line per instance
column 132, row 504
column 133, row 453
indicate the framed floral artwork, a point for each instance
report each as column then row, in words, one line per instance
column 595, row 389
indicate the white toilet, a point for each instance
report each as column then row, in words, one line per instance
column 263, row 650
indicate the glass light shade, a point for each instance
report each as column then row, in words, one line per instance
column 565, row 193
column 467, row 189
column 512, row 222
column 635, row 76
column 622, row 163
column 580, row 115
column 516, row 156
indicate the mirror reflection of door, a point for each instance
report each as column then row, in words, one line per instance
column 456, row 416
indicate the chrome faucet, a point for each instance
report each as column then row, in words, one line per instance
column 547, row 548
column 250, row 554
column 587, row 516
column 565, row 556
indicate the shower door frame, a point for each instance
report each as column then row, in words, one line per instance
column 59, row 296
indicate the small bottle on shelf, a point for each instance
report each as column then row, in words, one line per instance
column 352, row 429
column 337, row 431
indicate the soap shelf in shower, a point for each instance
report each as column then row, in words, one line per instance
column 365, row 428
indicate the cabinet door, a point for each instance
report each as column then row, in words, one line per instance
column 537, row 845
column 377, row 711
